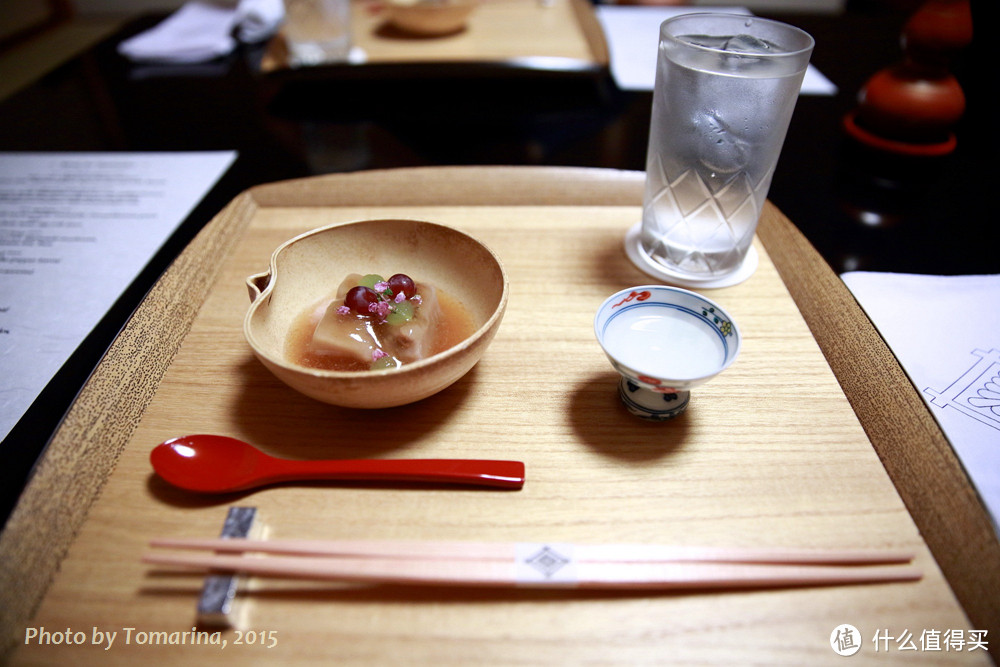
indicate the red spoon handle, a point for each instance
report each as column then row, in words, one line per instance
column 501, row 474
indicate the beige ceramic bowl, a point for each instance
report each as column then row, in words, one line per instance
column 431, row 18
column 309, row 267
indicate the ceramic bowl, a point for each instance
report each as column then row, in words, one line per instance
column 430, row 17
column 309, row 267
column 664, row 341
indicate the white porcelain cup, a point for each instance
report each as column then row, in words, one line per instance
column 664, row 341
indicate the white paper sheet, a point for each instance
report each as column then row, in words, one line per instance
column 75, row 230
column 633, row 34
column 945, row 332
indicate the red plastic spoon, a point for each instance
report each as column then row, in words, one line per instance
column 219, row 464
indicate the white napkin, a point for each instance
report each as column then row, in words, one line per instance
column 201, row 31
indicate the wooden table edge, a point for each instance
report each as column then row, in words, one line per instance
column 84, row 450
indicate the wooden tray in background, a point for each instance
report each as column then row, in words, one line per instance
column 770, row 453
column 561, row 34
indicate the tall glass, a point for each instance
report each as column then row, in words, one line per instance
column 318, row 31
column 725, row 89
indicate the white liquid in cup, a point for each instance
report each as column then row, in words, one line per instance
column 665, row 343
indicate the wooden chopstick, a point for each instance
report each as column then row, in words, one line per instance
column 495, row 573
column 616, row 553
column 540, row 565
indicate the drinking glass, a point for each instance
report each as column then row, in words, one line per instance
column 318, row 31
column 725, row 89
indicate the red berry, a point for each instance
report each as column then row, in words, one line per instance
column 402, row 283
column 359, row 298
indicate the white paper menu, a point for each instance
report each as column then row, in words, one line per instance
column 75, row 230
column 945, row 332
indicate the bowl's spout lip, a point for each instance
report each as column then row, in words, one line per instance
column 257, row 284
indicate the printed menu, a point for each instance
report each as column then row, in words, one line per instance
column 75, row 230
column 945, row 332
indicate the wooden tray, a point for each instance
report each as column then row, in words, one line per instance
column 561, row 34
column 770, row 453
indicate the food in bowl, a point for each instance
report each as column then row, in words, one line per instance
column 373, row 323
column 305, row 270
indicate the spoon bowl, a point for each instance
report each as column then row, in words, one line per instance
column 220, row 464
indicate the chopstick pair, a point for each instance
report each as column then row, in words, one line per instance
column 505, row 564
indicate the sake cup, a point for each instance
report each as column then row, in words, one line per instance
column 664, row 341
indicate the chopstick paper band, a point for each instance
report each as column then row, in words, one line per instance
column 536, row 563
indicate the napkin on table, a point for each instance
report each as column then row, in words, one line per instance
column 201, row 31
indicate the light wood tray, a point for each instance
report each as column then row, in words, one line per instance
column 769, row 453
column 561, row 34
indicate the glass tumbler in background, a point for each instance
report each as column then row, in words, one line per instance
column 317, row 31
column 725, row 89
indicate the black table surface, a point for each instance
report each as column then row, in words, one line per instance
column 861, row 211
